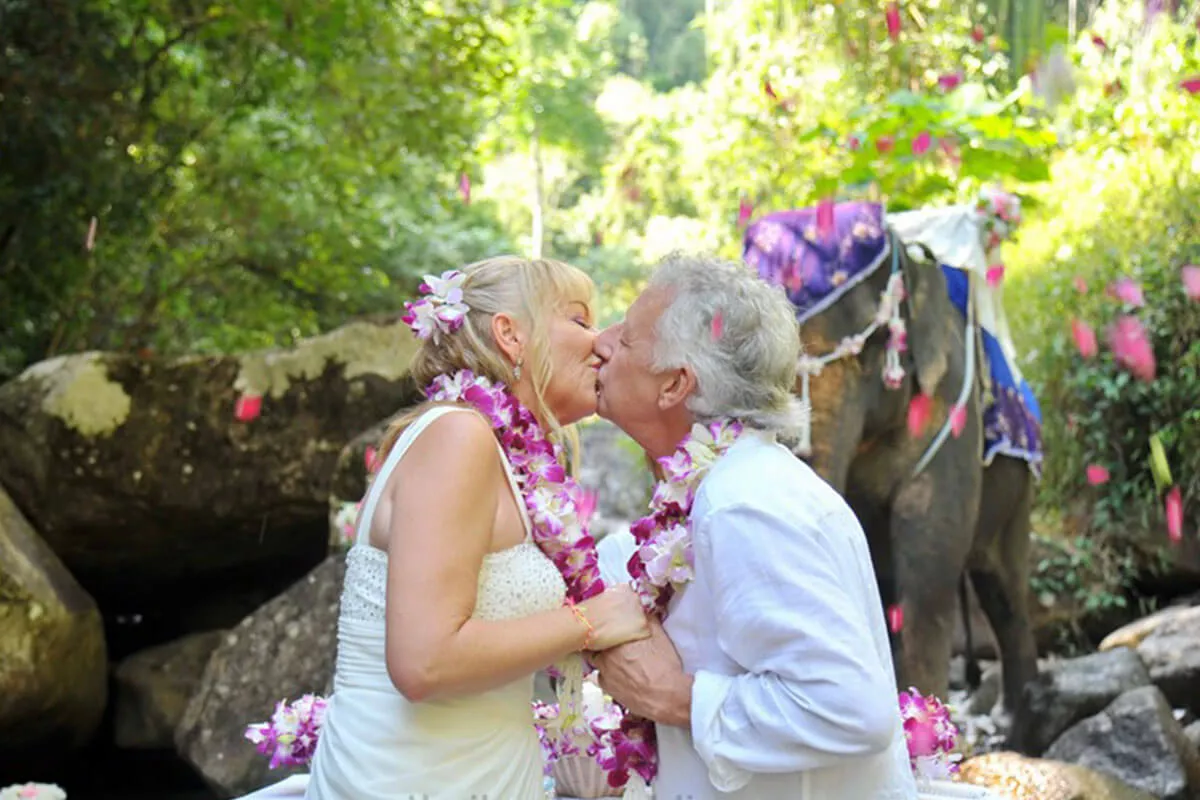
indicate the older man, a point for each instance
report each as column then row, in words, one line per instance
column 776, row 681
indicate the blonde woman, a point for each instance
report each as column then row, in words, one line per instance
column 449, row 606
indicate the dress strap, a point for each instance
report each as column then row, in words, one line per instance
column 397, row 452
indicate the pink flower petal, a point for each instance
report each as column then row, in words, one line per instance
column 1190, row 275
column 1085, row 338
column 950, row 81
column 1131, row 347
column 1097, row 475
column 921, row 144
column 977, row 34
column 892, row 15
column 1174, row 510
column 825, row 217
column 919, row 411
column 585, row 507
column 995, row 275
column 745, row 211
column 1190, row 85
column 248, row 407
column 1128, row 291
column 718, row 325
column 1080, row 285
column 464, row 188
column 1099, row 42
column 895, row 616
column 958, row 420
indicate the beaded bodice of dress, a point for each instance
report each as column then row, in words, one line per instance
column 515, row 582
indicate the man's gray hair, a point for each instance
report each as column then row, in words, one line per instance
column 745, row 360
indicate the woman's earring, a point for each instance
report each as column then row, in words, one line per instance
column 517, row 369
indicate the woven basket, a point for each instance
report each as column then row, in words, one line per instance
column 580, row 776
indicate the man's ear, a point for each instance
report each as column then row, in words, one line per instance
column 676, row 390
column 507, row 336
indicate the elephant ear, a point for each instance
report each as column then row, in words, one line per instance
column 928, row 310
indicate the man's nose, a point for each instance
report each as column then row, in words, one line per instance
column 602, row 345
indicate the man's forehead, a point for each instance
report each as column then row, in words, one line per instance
column 645, row 311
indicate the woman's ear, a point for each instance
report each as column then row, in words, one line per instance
column 675, row 391
column 508, row 336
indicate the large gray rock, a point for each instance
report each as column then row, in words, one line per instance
column 1014, row 777
column 1192, row 732
column 1172, row 655
column 1136, row 739
column 1135, row 633
column 141, row 476
column 284, row 650
column 1072, row 690
column 53, row 659
column 153, row 688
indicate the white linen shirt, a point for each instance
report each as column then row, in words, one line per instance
column 782, row 628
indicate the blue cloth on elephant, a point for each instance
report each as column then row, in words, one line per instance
column 1012, row 419
column 787, row 248
column 817, row 267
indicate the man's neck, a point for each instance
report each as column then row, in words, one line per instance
column 664, row 441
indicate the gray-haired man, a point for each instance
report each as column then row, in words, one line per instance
column 773, row 677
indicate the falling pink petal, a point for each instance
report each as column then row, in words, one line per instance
column 825, row 216
column 958, row 420
column 718, row 325
column 884, row 144
column 745, row 211
column 1085, row 338
column 977, row 34
column 895, row 616
column 1190, row 85
column 90, row 242
column 1174, row 511
column 893, row 21
column 248, row 407
column 770, row 91
column 995, row 275
column 919, row 411
column 950, row 81
column 1080, row 285
column 464, row 188
column 921, row 144
column 369, row 459
column 1099, row 42
column 585, row 506
column 1128, row 291
column 1191, row 281
column 1131, row 347
column 1097, row 475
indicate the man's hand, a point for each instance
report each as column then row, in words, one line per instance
column 647, row 678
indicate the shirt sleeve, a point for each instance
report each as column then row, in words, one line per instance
column 815, row 691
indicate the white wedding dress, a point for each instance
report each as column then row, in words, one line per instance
column 375, row 744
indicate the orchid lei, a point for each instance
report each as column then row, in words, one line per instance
column 930, row 735
column 32, row 791
column 289, row 737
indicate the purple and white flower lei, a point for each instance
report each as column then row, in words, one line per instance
column 931, row 736
column 289, row 737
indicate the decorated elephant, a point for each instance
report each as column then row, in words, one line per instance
column 919, row 417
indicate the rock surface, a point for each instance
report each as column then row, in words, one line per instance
column 53, row 658
column 1171, row 653
column 1071, row 690
column 1015, row 777
column 282, row 651
column 187, row 471
column 1136, row 739
column 153, row 688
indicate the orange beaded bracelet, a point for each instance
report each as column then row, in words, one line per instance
column 579, row 615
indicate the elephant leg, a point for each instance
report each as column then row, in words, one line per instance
column 1001, row 580
column 929, row 547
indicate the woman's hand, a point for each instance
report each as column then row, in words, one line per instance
column 617, row 617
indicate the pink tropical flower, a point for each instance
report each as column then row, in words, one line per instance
column 922, row 143
column 920, row 408
column 1190, row 275
column 950, row 80
column 1190, row 85
column 977, row 34
column 892, row 17
column 248, row 407
column 1085, row 338
column 1128, row 291
column 1174, row 511
column 1097, row 475
column 1131, row 347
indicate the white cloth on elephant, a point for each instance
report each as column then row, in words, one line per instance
column 782, row 628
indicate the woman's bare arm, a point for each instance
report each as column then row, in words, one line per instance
column 443, row 506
